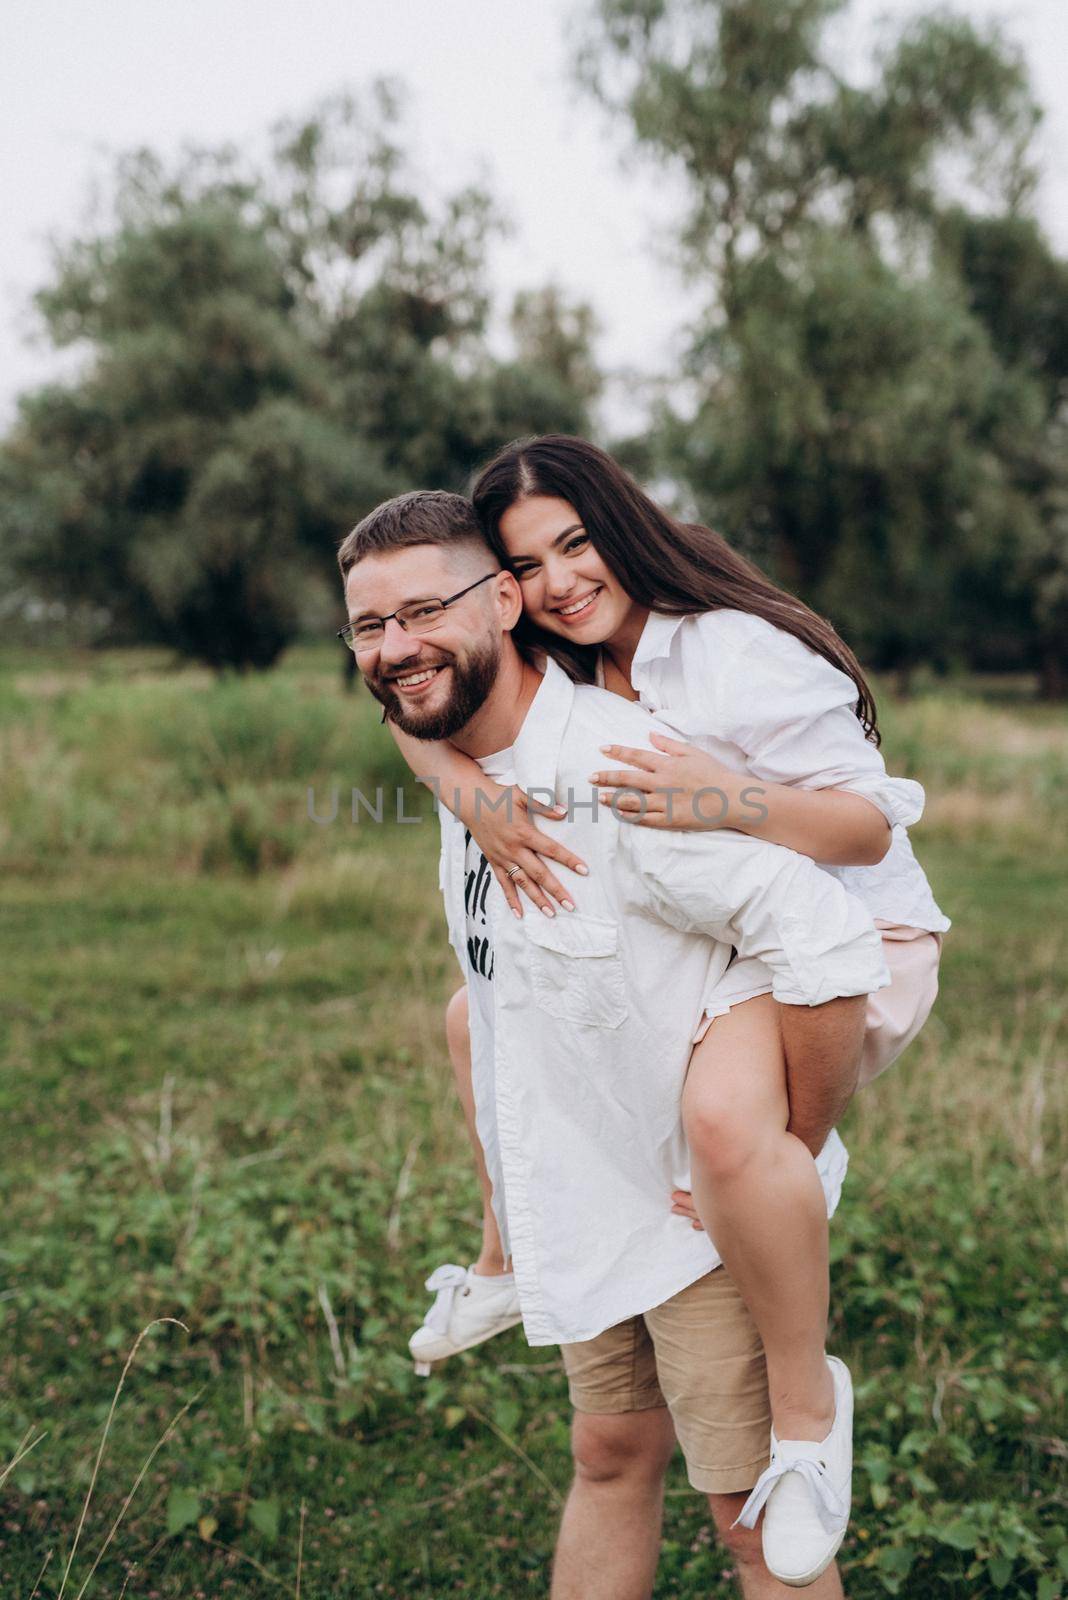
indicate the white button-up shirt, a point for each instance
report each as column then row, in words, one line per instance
column 579, row 1074
column 762, row 702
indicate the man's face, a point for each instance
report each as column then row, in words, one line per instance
column 431, row 684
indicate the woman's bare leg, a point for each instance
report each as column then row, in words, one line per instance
column 759, row 1195
column 491, row 1258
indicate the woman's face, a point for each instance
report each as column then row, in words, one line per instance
column 566, row 587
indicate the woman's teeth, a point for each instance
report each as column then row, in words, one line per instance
column 579, row 605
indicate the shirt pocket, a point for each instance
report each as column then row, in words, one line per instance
column 576, row 971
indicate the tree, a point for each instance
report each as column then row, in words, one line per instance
column 1018, row 289
column 270, row 352
column 853, row 422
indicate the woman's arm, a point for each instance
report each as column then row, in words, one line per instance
column 498, row 818
column 789, row 714
column 679, row 786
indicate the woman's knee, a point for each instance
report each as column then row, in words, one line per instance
column 720, row 1134
column 630, row 1446
column 734, row 1102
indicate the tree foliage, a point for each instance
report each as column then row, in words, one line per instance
column 873, row 389
column 269, row 351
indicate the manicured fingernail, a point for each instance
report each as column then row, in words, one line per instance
column 583, row 871
column 517, row 913
column 548, row 910
column 560, row 811
column 567, row 905
column 604, row 796
column 595, row 777
column 607, row 749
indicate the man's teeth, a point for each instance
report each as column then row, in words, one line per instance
column 569, row 611
column 417, row 677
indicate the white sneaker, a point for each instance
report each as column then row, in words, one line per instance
column 807, row 1491
column 469, row 1309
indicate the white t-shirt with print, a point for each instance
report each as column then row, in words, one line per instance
column 478, row 941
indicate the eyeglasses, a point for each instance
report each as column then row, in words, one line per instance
column 419, row 616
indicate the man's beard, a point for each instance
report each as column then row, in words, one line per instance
column 472, row 680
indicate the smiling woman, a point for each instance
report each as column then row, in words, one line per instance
column 566, row 584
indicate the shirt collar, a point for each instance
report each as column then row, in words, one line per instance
column 656, row 637
column 537, row 745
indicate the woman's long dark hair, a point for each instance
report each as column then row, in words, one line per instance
column 678, row 568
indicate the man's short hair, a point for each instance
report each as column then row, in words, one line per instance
column 423, row 516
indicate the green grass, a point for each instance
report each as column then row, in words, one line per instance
column 225, row 1099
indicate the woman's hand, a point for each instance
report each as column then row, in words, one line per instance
column 508, row 838
column 678, row 786
column 682, row 1206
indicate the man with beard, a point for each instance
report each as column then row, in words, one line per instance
column 581, row 1029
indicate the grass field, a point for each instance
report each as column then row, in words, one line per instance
column 225, row 1100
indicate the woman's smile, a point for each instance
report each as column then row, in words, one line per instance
column 578, row 610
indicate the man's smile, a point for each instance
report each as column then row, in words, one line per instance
column 413, row 681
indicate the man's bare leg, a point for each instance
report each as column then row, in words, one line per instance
column 610, row 1532
column 754, row 1579
column 758, row 1193
column 491, row 1258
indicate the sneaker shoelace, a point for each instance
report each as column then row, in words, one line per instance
column 444, row 1282
column 831, row 1508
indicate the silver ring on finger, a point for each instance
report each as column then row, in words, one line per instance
column 513, row 872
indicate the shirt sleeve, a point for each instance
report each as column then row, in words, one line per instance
column 791, row 713
column 818, row 941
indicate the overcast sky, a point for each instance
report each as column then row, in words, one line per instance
column 490, row 98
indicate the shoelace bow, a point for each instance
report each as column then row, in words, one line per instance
column 831, row 1508
column 445, row 1281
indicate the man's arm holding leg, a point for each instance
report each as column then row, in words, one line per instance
column 822, row 1046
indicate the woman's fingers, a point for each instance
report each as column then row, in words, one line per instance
column 622, row 800
column 543, row 808
column 645, row 759
column 648, row 781
column 673, row 747
column 511, row 894
column 653, row 814
column 536, row 881
column 543, row 844
column 555, row 850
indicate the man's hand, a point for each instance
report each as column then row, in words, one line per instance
column 682, row 1206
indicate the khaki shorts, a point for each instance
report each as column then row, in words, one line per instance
column 700, row 1355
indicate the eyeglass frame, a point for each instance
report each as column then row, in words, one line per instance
column 344, row 634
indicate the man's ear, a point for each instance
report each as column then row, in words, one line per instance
column 509, row 599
